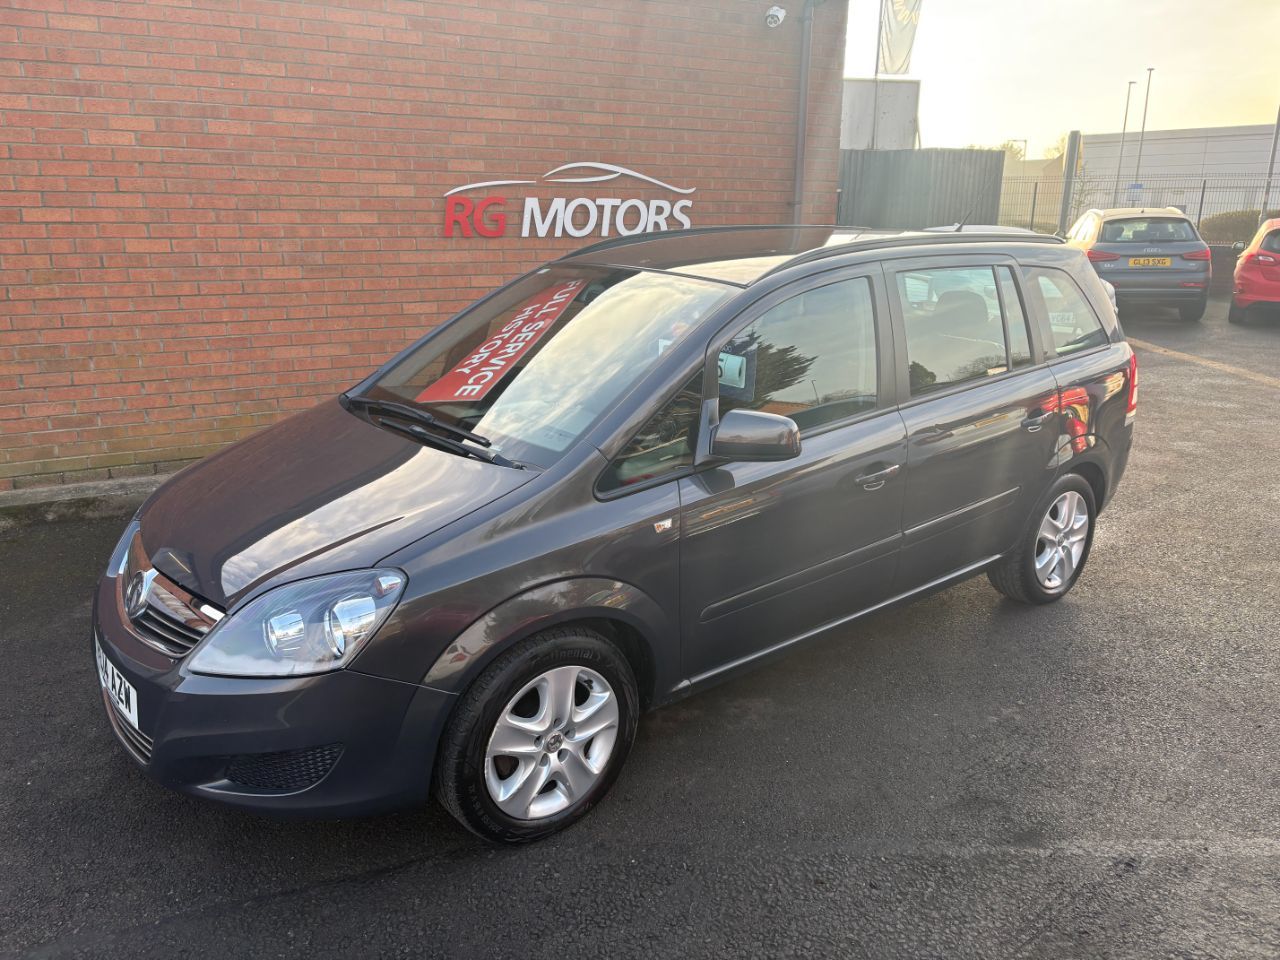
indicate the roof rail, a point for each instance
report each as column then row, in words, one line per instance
column 910, row 240
column 690, row 231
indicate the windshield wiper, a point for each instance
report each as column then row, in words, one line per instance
column 420, row 417
column 444, row 443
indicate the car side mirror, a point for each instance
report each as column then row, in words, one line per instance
column 1238, row 247
column 753, row 436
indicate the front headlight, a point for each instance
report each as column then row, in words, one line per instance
column 120, row 555
column 311, row 626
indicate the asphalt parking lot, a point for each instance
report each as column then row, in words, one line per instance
column 960, row 778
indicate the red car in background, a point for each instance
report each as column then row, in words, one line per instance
column 1257, row 284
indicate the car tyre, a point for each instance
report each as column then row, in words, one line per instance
column 1238, row 314
column 1193, row 312
column 516, row 704
column 1021, row 574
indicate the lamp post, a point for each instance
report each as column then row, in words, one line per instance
column 1143, row 135
column 1271, row 165
column 1124, row 128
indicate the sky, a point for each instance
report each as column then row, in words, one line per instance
column 995, row 70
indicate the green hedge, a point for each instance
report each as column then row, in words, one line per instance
column 1231, row 226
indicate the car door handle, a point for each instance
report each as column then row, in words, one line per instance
column 1034, row 423
column 934, row 434
column 874, row 481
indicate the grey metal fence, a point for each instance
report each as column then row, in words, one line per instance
column 918, row 188
column 1226, row 209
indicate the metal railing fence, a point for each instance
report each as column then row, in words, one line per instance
column 1225, row 209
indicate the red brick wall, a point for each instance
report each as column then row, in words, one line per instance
column 213, row 212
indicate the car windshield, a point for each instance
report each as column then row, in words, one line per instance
column 1148, row 230
column 535, row 366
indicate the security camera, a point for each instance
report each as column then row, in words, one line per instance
column 774, row 16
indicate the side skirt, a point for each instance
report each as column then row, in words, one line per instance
column 721, row 672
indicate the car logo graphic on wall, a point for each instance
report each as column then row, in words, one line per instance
column 469, row 216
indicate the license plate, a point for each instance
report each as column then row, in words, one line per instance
column 117, row 687
column 1151, row 261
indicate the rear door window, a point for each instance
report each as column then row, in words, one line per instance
column 955, row 324
column 811, row 357
column 1148, row 230
column 1074, row 324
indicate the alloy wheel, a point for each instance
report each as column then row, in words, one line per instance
column 1061, row 539
column 551, row 743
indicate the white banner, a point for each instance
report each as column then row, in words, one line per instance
column 898, row 22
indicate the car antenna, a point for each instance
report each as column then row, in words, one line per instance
column 963, row 221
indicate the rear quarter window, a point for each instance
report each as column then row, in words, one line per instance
column 1074, row 324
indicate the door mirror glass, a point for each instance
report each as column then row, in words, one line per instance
column 755, row 436
column 733, row 373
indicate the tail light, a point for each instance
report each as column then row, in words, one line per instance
column 1096, row 256
column 1132, row 408
column 1256, row 259
column 1204, row 254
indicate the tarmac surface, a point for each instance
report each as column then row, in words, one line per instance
column 959, row 778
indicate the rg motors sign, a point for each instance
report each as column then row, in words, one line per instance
column 477, row 210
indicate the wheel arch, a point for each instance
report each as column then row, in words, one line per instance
column 1093, row 474
column 622, row 612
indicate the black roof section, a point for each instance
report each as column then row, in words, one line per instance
column 744, row 254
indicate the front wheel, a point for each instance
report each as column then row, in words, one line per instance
column 540, row 736
column 1054, row 547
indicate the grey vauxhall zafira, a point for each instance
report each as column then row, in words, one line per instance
column 607, row 484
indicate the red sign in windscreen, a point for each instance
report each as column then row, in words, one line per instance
column 495, row 358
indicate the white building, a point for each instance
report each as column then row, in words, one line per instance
column 891, row 105
column 1203, row 171
column 1203, row 152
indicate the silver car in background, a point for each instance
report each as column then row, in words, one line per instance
column 1150, row 255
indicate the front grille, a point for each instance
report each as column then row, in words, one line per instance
column 135, row 741
column 163, row 631
column 164, row 614
column 286, row 770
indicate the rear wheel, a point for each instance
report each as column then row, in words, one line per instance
column 1054, row 547
column 1193, row 312
column 1237, row 314
column 539, row 737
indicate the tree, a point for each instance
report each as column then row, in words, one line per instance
column 1013, row 149
column 775, row 369
column 1059, row 148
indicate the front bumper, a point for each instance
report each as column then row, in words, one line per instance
column 337, row 744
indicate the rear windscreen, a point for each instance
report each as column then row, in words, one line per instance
column 1271, row 242
column 1148, row 230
